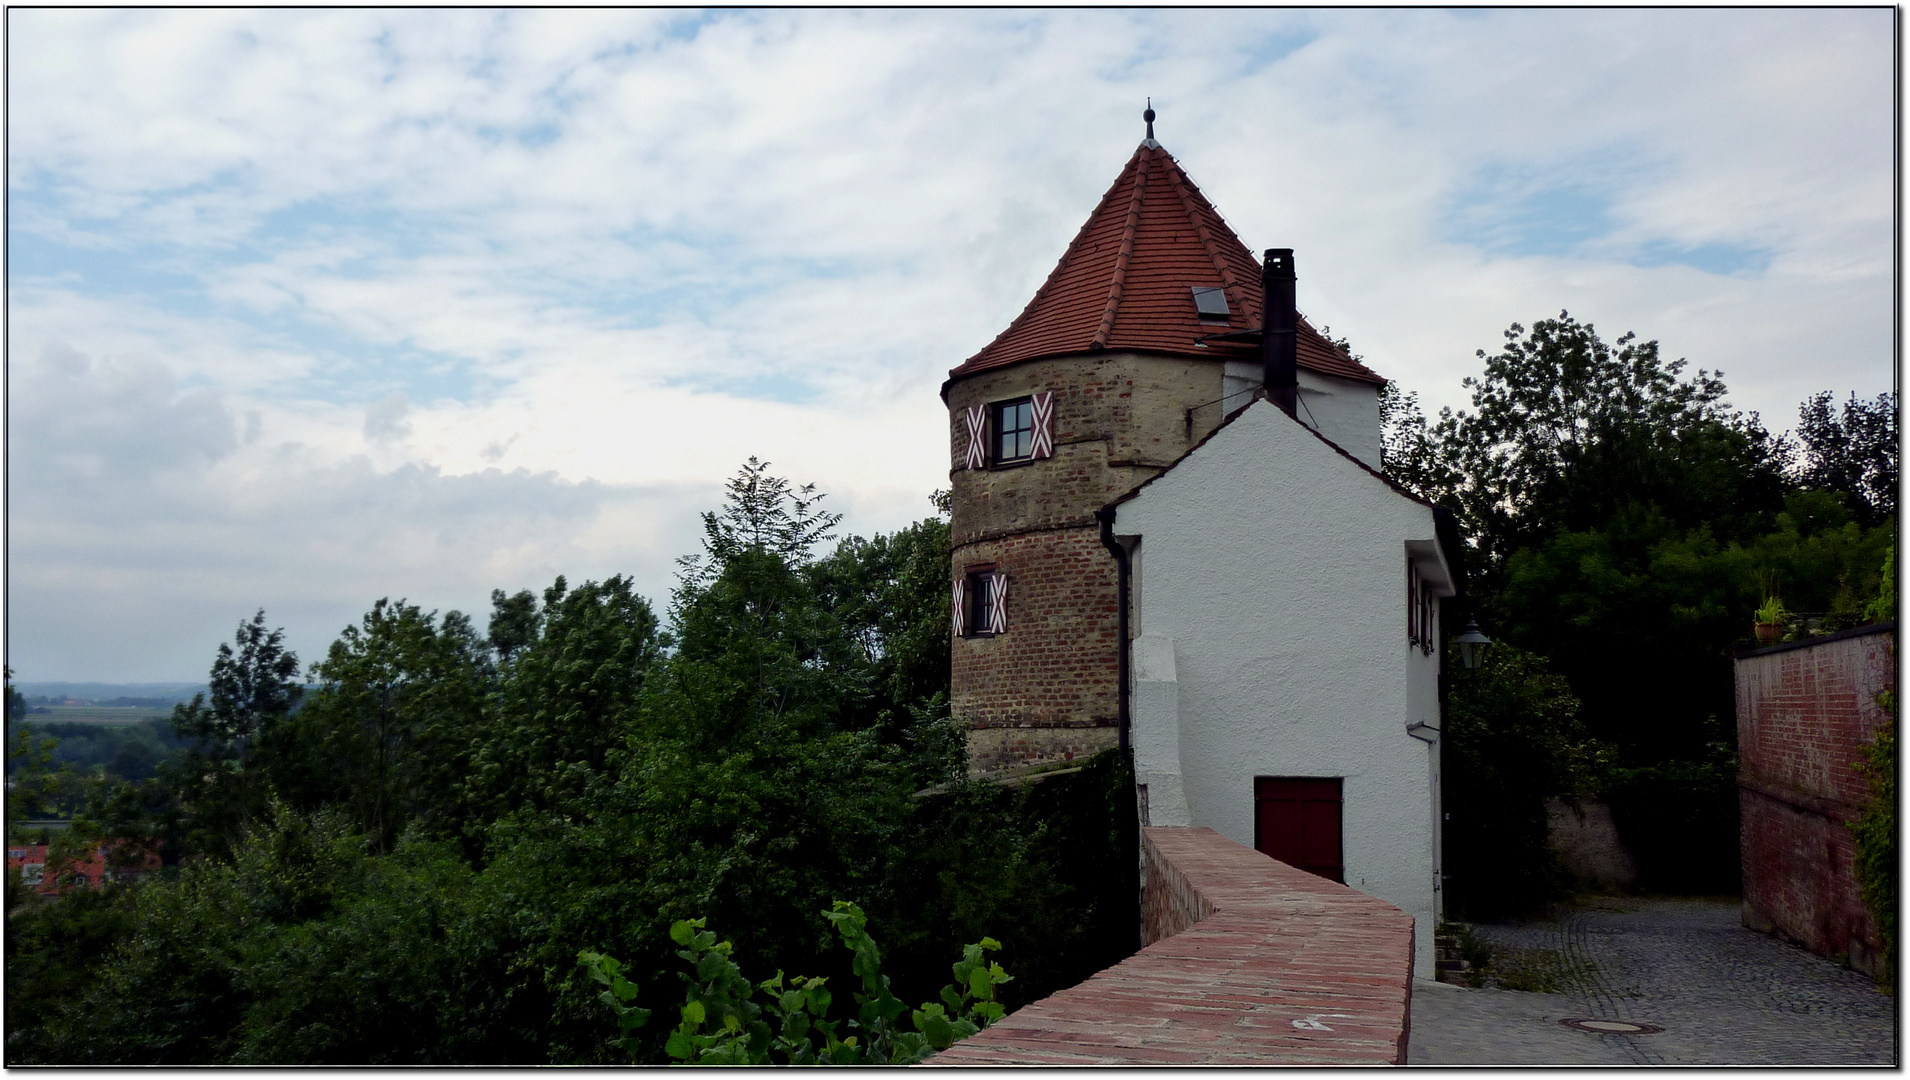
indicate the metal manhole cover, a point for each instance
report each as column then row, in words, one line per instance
column 1612, row 1027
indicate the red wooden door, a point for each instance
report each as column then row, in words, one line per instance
column 1297, row 820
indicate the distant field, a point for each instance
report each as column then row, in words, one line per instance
column 94, row 714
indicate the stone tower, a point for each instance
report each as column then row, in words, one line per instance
column 1143, row 338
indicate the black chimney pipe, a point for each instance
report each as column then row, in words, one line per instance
column 1279, row 326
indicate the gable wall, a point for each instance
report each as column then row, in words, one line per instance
column 1344, row 410
column 1274, row 569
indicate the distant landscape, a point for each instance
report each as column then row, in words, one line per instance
column 118, row 728
column 99, row 695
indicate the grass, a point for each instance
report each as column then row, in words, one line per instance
column 1537, row 971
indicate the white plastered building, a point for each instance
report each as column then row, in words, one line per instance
column 1284, row 649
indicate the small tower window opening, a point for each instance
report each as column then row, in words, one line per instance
column 1210, row 302
column 985, row 603
column 1015, row 423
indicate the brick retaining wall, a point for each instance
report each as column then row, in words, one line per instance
column 1250, row 962
column 1805, row 712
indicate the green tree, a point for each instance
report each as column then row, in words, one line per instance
column 390, row 725
column 1567, row 430
column 253, row 688
column 564, row 699
column 1512, row 740
column 1854, row 453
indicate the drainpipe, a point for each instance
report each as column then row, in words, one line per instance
column 1279, row 325
column 1106, row 516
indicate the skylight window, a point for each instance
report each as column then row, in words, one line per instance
column 1211, row 303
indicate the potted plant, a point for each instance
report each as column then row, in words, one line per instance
column 1770, row 621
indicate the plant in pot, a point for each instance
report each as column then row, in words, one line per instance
column 1770, row 621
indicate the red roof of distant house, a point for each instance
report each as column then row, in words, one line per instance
column 1127, row 280
column 88, row 870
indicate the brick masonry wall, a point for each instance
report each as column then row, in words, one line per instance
column 1047, row 690
column 1283, row 968
column 1058, row 665
column 1119, row 419
column 1804, row 716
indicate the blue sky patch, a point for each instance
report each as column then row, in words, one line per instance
column 1506, row 213
column 1566, row 213
column 1725, row 259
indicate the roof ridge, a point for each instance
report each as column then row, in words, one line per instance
column 1128, row 232
column 1067, row 255
column 1178, row 177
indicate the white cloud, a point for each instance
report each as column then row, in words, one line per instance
column 430, row 302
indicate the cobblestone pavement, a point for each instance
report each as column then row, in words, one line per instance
column 1724, row 995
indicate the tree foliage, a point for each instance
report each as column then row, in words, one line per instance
column 1624, row 522
column 1512, row 740
column 1854, row 452
column 399, row 863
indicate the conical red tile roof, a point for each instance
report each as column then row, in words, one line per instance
column 1127, row 280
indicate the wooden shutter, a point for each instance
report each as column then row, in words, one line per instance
column 998, row 603
column 978, row 437
column 959, row 610
column 1043, row 445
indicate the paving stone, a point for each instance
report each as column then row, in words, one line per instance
column 1725, row 995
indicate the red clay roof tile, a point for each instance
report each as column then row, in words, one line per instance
column 1127, row 280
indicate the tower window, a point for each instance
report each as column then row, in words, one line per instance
column 1210, row 302
column 983, row 603
column 1015, row 425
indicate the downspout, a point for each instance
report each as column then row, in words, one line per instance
column 1106, row 516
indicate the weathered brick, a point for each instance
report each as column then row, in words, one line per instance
column 1236, row 973
column 1804, row 716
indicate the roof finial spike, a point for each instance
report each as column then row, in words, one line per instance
column 1149, row 117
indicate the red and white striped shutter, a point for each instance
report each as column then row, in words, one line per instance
column 1043, row 425
column 960, row 611
column 978, row 437
column 998, row 604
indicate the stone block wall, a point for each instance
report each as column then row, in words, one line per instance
column 1283, row 968
column 1048, row 689
column 1805, row 712
column 1585, row 839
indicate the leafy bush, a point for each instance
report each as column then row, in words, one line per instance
column 1875, row 832
column 720, row 998
column 1512, row 740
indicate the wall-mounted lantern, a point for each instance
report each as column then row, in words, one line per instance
column 1472, row 644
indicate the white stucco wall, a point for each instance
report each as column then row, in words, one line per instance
column 1273, row 611
column 1344, row 410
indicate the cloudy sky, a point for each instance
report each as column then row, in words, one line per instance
column 308, row 308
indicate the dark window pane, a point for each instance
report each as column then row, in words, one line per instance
column 1211, row 303
column 1015, row 422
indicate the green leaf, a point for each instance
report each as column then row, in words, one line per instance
column 684, row 931
column 693, row 1013
column 679, row 1046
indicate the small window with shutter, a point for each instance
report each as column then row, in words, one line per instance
column 1023, row 430
column 981, row 603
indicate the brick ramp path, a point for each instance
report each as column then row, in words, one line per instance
column 1725, row 995
column 1282, row 967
